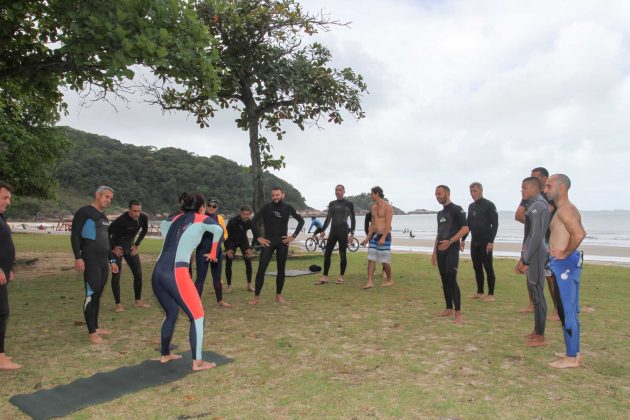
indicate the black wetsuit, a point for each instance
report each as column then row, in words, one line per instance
column 7, row 258
column 122, row 233
column 367, row 221
column 450, row 220
column 483, row 221
column 237, row 238
column 202, row 264
column 534, row 255
column 90, row 242
column 275, row 218
column 338, row 213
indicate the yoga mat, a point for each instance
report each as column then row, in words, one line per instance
column 292, row 273
column 63, row 400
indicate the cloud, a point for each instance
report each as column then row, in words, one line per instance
column 460, row 91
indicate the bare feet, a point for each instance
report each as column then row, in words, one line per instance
column 255, row 300
column 566, row 362
column 387, row 283
column 530, row 335
column 561, row 355
column 280, row 299
column 202, row 365
column 119, row 308
column 95, row 338
column 553, row 317
column 477, row 296
column 169, row 357
column 536, row 341
column 228, row 289
column 7, row 364
column 322, row 280
column 249, row 287
column 103, row 331
column 224, row 304
column 140, row 304
column 368, row 285
column 525, row 310
column 339, row 280
column 445, row 312
column 489, row 298
column 459, row 319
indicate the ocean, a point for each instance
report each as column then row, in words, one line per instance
column 604, row 229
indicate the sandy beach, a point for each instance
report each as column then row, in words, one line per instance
column 592, row 253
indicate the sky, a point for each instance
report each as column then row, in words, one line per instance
column 459, row 91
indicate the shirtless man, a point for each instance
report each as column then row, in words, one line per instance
column 567, row 233
column 380, row 238
column 542, row 174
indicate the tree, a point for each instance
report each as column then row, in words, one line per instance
column 269, row 76
column 81, row 45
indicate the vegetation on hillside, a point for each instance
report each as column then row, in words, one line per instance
column 154, row 176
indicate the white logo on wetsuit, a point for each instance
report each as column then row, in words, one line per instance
column 277, row 214
column 565, row 275
column 443, row 219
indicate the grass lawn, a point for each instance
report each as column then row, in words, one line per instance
column 331, row 352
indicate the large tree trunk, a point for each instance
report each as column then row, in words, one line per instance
column 254, row 149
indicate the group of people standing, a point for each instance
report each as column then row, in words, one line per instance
column 553, row 232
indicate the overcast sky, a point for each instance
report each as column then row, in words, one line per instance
column 459, row 91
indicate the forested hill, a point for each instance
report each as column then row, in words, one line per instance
column 362, row 203
column 154, row 176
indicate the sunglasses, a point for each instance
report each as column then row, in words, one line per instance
column 214, row 206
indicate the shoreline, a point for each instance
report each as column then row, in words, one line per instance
column 592, row 253
column 599, row 254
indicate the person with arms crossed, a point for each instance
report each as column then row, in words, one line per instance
column 534, row 256
column 379, row 237
column 483, row 222
column 237, row 228
column 122, row 233
column 451, row 228
column 567, row 234
column 275, row 219
column 92, row 253
column 339, row 211
column 7, row 258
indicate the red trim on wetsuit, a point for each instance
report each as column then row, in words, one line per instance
column 187, row 291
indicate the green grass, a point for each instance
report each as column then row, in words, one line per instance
column 333, row 351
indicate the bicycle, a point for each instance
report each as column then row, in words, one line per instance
column 314, row 242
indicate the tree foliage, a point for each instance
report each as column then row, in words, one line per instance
column 49, row 44
column 270, row 75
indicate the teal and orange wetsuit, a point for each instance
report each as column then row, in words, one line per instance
column 171, row 281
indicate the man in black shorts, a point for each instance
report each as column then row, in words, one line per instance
column 237, row 228
column 275, row 218
column 451, row 228
column 122, row 233
column 339, row 211
column 92, row 253
column 483, row 222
